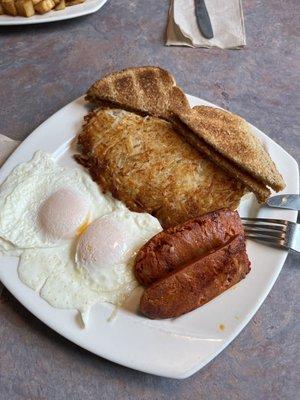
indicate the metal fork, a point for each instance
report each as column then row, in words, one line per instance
column 274, row 232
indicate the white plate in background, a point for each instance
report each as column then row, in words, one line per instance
column 175, row 348
column 88, row 7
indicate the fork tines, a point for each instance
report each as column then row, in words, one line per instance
column 272, row 231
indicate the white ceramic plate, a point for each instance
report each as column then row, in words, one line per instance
column 172, row 348
column 88, row 7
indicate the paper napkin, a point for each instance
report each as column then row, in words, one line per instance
column 226, row 18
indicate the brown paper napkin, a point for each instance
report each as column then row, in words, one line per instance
column 7, row 146
column 226, row 18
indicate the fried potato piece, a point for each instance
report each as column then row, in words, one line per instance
column 44, row 6
column 60, row 6
column 74, row 2
column 9, row 7
column 25, row 8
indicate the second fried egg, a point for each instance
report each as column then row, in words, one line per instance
column 99, row 267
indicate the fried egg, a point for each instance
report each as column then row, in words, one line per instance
column 43, row 204
column 76, row 245
column 97, row 267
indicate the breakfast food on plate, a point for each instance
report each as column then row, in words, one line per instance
column 28, row 8
column 146, row 90
column 260, row 190
column 226, row 139
column 149, row 151
column 178, row 246
column 76, row 245
column 43, row 204
column 229, row 141
column 187, row 266
column 198, row 282
column 143, row 162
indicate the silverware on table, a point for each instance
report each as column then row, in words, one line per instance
column 288, row 201
column 275, row 232
column 203, row 19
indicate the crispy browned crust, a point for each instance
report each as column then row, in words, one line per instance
column 147, row 165
column 224, row 137
column 197, row 283
column 145, row 90
column 230, row 141
column 175, row 247
column 259, row 189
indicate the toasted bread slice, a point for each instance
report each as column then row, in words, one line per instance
column 231, row 142
column 143, row 162
column 145, row 90
column 259, row 189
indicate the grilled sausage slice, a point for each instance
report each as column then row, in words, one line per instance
column 178, row 246
column 197, row 283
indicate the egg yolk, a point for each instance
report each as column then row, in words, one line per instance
column 63, row 213
column 102, row 245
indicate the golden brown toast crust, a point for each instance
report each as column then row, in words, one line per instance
column 222, row 136
column 145, row 90
column 147, row 165
column 260, row 190
column 230, row 136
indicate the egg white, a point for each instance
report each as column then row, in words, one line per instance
column 54, row 273
column 24, row 191
column 50, row 266
column 54, row 276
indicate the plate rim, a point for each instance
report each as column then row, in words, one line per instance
column 43, row 19
column 178, row 373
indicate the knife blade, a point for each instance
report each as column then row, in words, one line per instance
column 203, row 19
column 287, row 201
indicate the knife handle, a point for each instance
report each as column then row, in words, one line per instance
column 287, row 201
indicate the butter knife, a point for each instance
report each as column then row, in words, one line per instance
column 287, row 201
column 203, row 19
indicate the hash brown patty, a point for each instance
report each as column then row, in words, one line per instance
column 144, row 163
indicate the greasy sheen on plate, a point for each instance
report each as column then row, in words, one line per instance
column 143, row 162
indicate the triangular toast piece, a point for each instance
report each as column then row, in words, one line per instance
column 224, row 137
column 259, row 189
column 230, row 141
column 145, row 90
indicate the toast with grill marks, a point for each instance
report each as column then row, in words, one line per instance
column 145, row 90
column 224, row 137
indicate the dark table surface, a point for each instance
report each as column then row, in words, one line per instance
column 42, row 68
